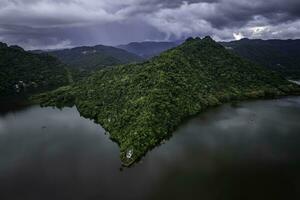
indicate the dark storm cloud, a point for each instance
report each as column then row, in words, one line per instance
column 236, row 12
column 65, row 23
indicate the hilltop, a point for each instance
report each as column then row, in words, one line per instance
column 282, row 56
column 140, row 105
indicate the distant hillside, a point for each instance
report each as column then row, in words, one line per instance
column 21, row 71
column 278, row 55
column 148, row 49
column 97, row 57
column 140, row 105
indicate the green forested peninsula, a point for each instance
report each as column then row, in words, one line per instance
column 140, row 105
column 21, row 71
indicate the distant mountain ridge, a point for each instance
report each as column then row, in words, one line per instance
column 282, row 56
column 95, row 57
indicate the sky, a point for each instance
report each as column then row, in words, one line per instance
column 54, row 24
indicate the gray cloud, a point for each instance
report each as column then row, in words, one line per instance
column 65, row 23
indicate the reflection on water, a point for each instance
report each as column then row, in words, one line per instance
column 244, row 151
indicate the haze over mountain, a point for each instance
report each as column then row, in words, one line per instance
column 148, row 49
column 140, row 105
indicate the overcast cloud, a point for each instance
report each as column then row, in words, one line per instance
column 51, row 24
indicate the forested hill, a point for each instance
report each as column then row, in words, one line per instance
column 278, row 55
column 93, row 58
column 140, row 105
column 21, row 71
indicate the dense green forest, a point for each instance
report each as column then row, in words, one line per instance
column 140, row 105
column 21, row 71
column 282, row 56
column 94, row 58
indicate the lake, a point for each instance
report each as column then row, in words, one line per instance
column 248, row 150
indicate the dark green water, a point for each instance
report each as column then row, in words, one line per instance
column 246, row 151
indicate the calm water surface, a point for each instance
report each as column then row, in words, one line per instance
column 249, row 150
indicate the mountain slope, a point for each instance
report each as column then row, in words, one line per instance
column 142, row 104
column 21, row 70
column 91, row 58
column 278, row 55
column 148, row 49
